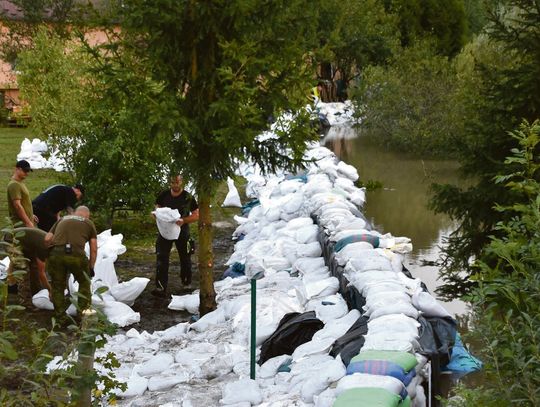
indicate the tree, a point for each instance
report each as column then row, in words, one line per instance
column 91, row 122
column 499, row 81
column 201, row 81
column 408, row 104
column 355, row 34
column 506, row 310
column 444, row 20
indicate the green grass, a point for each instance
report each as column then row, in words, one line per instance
column 37, row 180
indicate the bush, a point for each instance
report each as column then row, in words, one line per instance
column 506, row 301
column 408, row 104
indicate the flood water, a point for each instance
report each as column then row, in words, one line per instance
column 400, row 207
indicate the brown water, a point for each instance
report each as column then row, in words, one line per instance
column 400, row 207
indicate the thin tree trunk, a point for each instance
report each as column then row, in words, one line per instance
column 206, row 256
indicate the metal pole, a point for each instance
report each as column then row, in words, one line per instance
column 253, row 328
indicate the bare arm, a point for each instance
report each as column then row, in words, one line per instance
column 48, row 239
column 42, row 276
column 93, row 252
column 22, row 214
column 194, row 217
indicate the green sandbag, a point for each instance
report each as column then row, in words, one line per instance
column 404, row 359
column 367, row 397
column 405, row 403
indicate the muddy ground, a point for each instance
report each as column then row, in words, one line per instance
column 155, row 315
column 140, row 262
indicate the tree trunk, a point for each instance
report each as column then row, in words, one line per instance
column 206, row 255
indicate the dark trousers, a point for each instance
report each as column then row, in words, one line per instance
column 46, row 220
column 59, row 267
column 163, row 252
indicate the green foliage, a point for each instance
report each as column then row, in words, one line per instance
column 407, row 105
column 506, row 301
column 443, row 20
column 92, row 123
column 498, row 83
column 355, row 34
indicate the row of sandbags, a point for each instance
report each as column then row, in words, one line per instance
column 116, row 302
column 277, row 237
column 33, row 151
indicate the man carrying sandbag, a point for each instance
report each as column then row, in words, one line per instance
column 175, row 198
column 67, row 239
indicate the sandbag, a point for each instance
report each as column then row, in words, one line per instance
column 156, row 364
column 232, row 198
column 373, row 240
column 120, row 314
column 128, row 291
column 404, row 359
column 367, row 397
column 382, row 368
column 388, row 383
column 166, row 222
column 293, row 330
column 243, row 390
column 41, row 300
column 189, row 302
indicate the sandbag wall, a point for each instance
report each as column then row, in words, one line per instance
column 207, row 362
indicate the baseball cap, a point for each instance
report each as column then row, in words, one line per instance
column 79, row 187
column 23, row 165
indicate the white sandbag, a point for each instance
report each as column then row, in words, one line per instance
column 328, row 373
column 208, row 320
column 319, row 274
column 128, row 291
column 313, row 347
column 232, row 198
column 174, row 332
column 396, row 308
column 156, row 364
column 353, row 250
column 293, row 203
column 298, row 223
column 309, row 250
column 41, row 300
column 167, row 381
column 241, row 391
column 307, row 234
column 347, row 170
column 371, row 261
column 189, row 302
column 100, row 300
column 428, row 305
column 355, row 380
column 326, row 398
column 337, row 327
column 360, row 280
column 275, row 263
column 322, row 288
column 358, row 197
column 273, row 214
column 104, row 271
column 328, row 308
column 307, row 265
column 420, row 399
column 381, row 287
column 270, row 367
column 121, row 314
column 344, row 183
column 166, row 219
column 136, row 386
column 397, row 344
column 290, row 186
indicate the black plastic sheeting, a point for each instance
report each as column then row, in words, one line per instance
column 293, row 330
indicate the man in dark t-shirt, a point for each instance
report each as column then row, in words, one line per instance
column 175, row 198
column 48, row 205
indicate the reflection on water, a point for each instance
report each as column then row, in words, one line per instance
column 400, row 207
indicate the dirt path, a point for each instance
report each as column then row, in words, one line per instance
column 154, row 312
